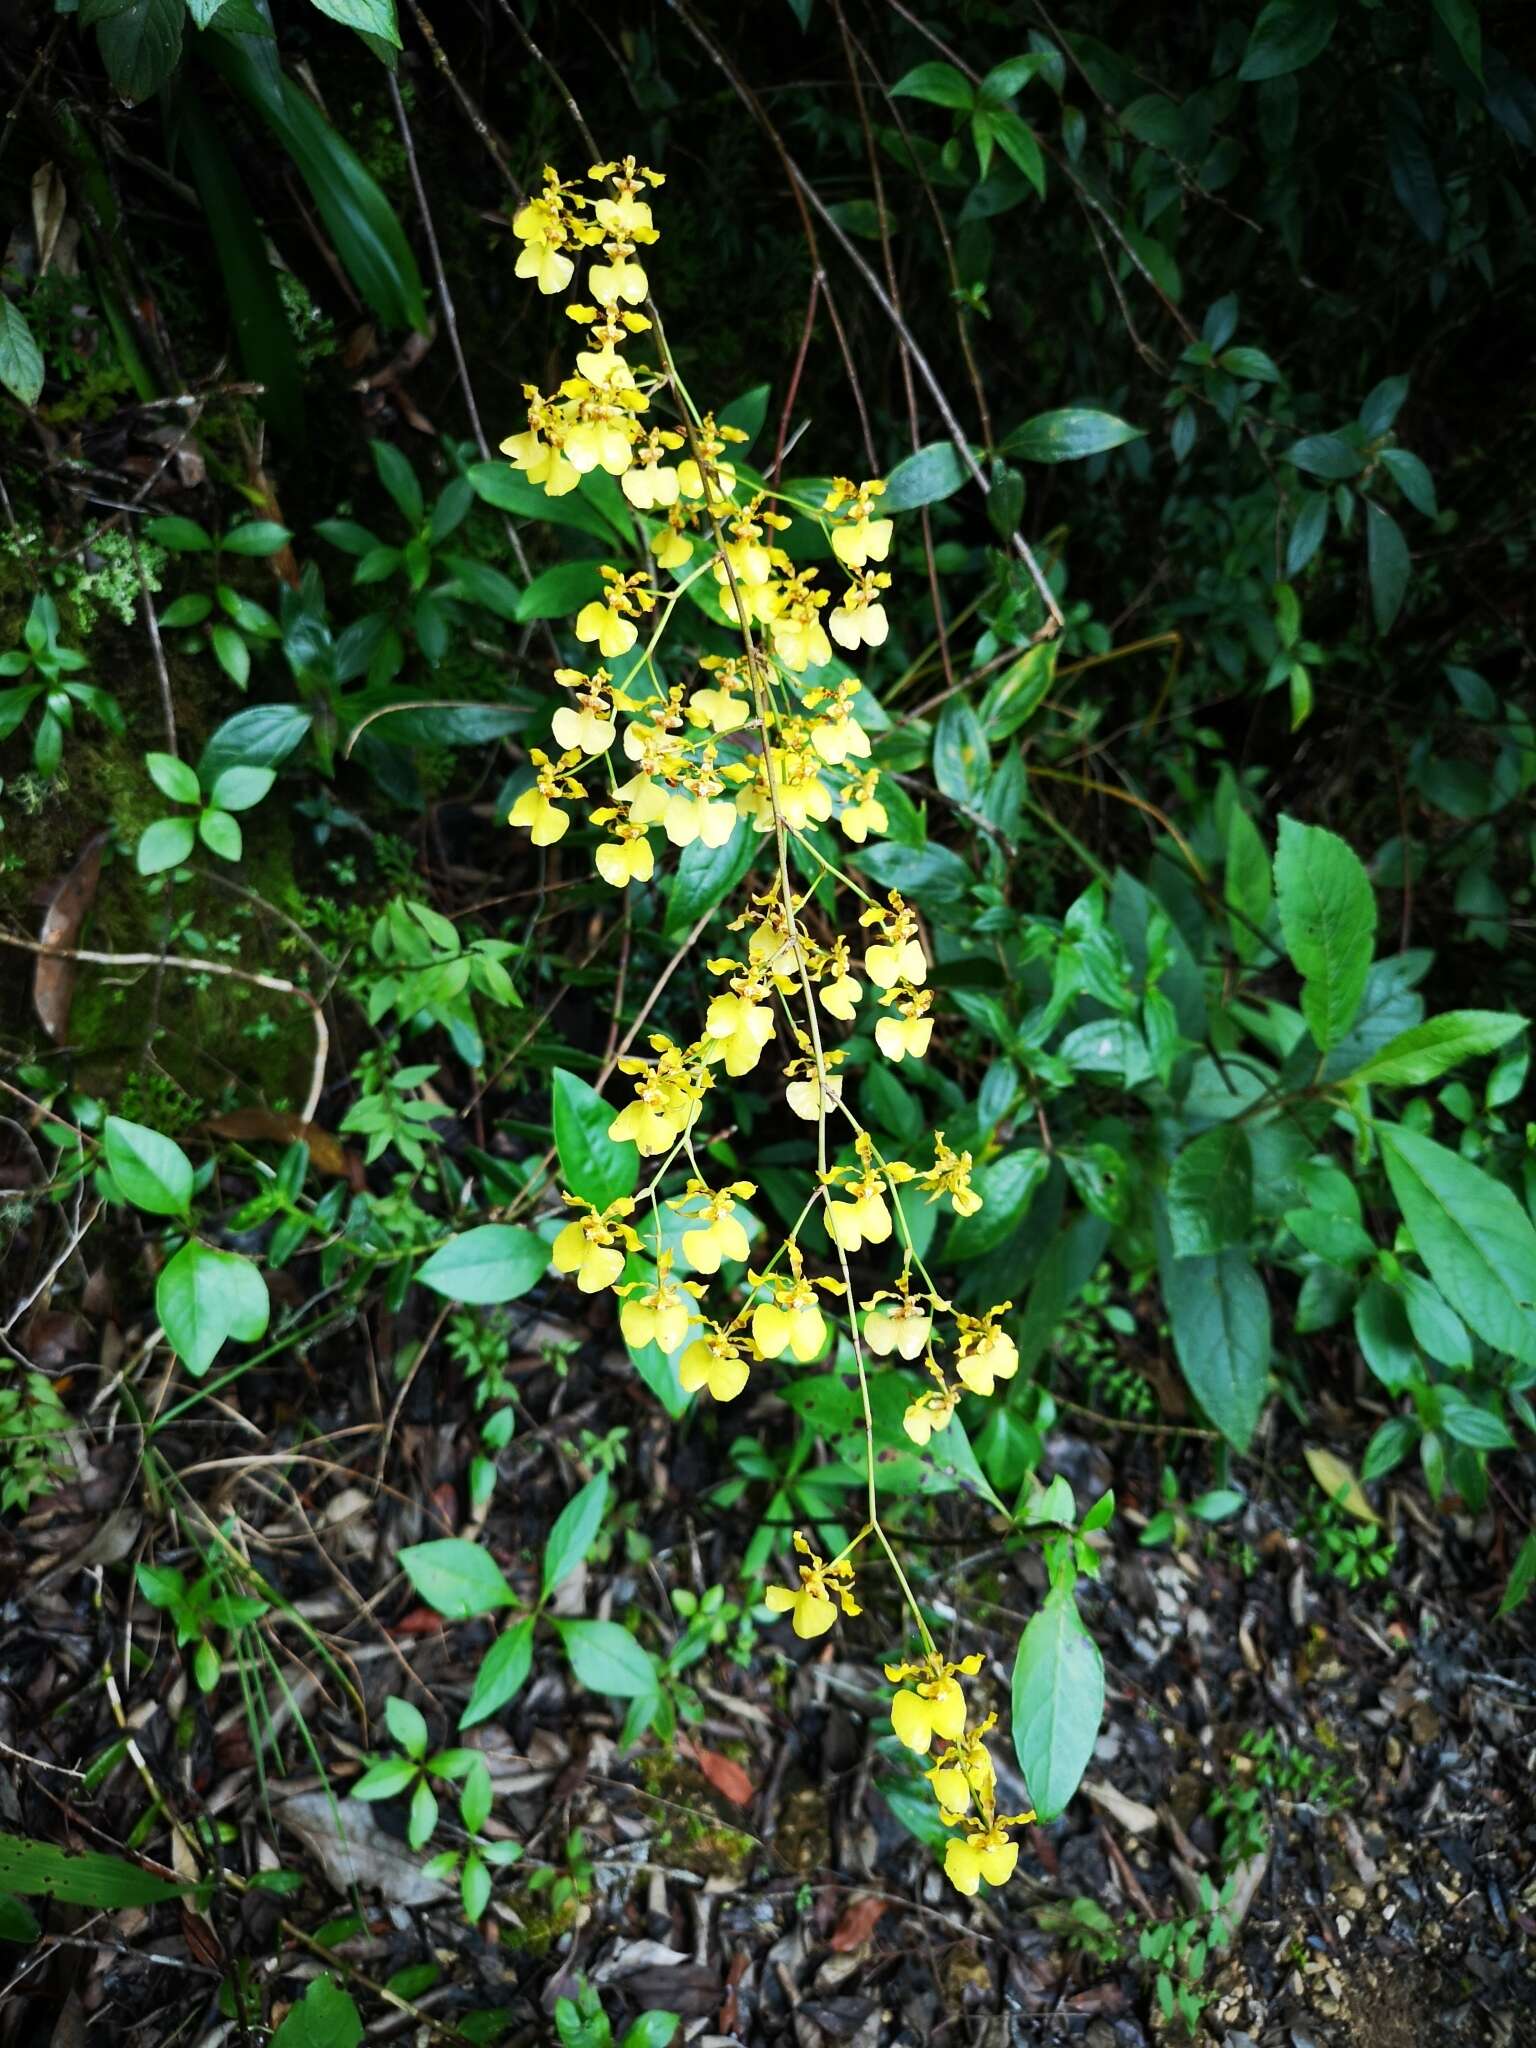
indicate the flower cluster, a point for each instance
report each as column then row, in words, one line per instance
column 765, row 740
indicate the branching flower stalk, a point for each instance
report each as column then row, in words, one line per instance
column 754, row 743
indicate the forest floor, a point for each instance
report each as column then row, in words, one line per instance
column 1373, row 1832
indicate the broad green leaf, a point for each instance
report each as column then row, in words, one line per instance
column 1522, row 1576
column 593, row 1166
column 1019, row 691
column 164, row 844
column 706, row 875
column 1326, row 455
column 606, row 1658
column 149, row 1169
column 1210, row 1193
column 220, row 833
column 1466, row 32
column 930, row 473
column 960, row 759
column 652, row 2030
column 204, row 1297
column 17, row 1922
column 262, row 737
column 1412, row 479
column 1385, row 1338
column 560, row 592
column 40, row 1870
column 1006, row 1187
column 256, row 537
column 1287, row 35
column 1473, row 1235
column 747, row 414
column 1432, row 1048
column 368, row 17
column 1069, row 435
column 1388, row 564
column 1388, row 1448
column 1307, row 533
column 1466, row 1422
column 925, row 874
column 499, row 484
column 1248, row 885
column 363, row 227
column 173, row 778
column 1436, row 1326
column 407, row 1725
column 492, row 1263
column 1328, row 918
column 238, row 788
column 502, row 1674
column 21, row 361
column 1058, row 1703
column 139, row 40
column 941, row 84
column 1219, row 1313
column 574, row 1533
column 325, row 2017
column 456, row 1577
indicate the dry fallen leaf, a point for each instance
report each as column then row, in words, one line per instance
column 1338, row 1481
column 48, row 202
column 368, row 1857
column 1131, row 1814
column 728, row 1778
column 857, row 1924
column 53, row 981
column 327, row 1154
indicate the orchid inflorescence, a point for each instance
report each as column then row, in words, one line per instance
column 753, row 740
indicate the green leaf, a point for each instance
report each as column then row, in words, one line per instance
column 399, row 479
column 325, row 2016
column 1466, row 32
column 1467, row 1423
column 1210, row 1193
column 220, row 833
column 1432, row 1048
column 926, row 874
column 941, row 84
column 1251, row 363
column 502, row 1674
column 164, row 844
column 359, row 220
column 494, row 1262
column 1287, row 35
column 17, row 1922
column 574, row 1533
column 1219, row 1313
column 961, row 763
column 1328, row 918
column 1384, row 1336
column 139, row 40
column 1412, row 479
column 593, row 1166
column 1016, row 139
column 560, row 592
column 606, row 1658
column 1472, row 1234
column 706, row 875
column 1007, row 1187
column 368, row 17
column 1058, row 1703
column 262, row 737
column 1069, row 435
column 21, row 362
column 652, row 2030
column 499, row 484
column 187, row 611
column 1387, row 563
column 205, row 1296
column 173, row 778
column 747, row 414
column 256, row 537
column 40, row 1870
column 408, row 1727
column 1326, row 455
column 928, row 474
column 1522, row 1577
column 149, row 1169
column 456, row 1577
column 1307, row 534
column 1248, row 884
column 240, row 787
